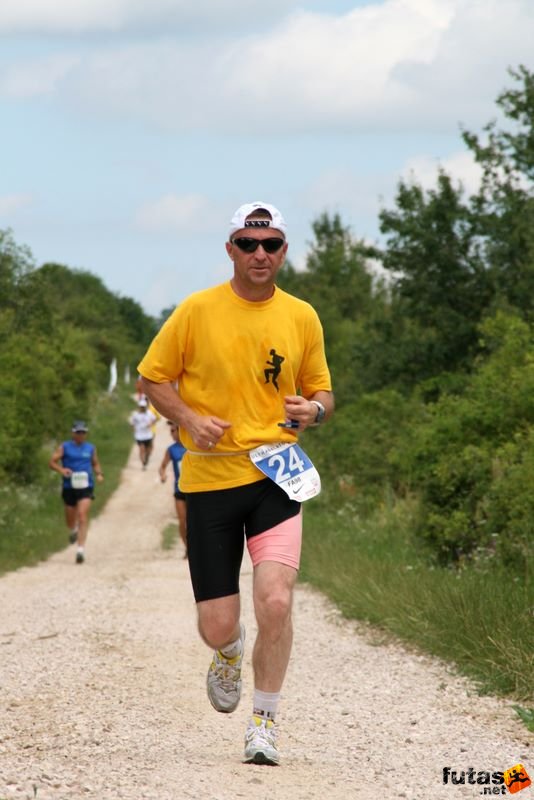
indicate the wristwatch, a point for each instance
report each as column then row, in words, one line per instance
column 321, row 411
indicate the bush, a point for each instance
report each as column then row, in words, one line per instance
column 355, row 448
column 469, row 458
column 509, row 505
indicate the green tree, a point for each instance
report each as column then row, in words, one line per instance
column 118, row 326
column 138, row 327
column 338, row 282
column 59, row 330
column 504, row 205
column 440, row 288
column 16, row 264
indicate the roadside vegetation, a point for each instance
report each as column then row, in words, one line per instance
column 32, row 525
column 477, row 616
column 425, row 526
column 170, row 536
column 60, row 329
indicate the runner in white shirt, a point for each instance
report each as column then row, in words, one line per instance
column 142, row 421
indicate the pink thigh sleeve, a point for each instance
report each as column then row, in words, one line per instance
column 281, row 543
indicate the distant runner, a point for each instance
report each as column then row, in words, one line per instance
column 142, row 421
column 77, row 461
column 175, row 452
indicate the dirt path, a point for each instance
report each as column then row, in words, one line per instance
column 102, row 687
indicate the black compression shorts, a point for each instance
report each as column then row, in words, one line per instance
column 217, row 523
column 71, row 496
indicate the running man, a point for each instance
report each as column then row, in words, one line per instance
column 175, row 453
column 215, row 346
column 142, row 422
column 77, row 461
column 276, row 365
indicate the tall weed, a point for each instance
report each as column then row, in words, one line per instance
column 478, row 616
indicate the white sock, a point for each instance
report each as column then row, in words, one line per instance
column 80, row 549
column 265, row 704
column 232, row 650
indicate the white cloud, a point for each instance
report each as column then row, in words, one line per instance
column 173, row 213
column 405, row 64
column 68, row 17
column 461, row 166
column 36, row 78
column 58, row 16
column 484, row 38
column 355, row 197
column 336, row 68
column 310, row 71
column 359, row 198
column 11, row 203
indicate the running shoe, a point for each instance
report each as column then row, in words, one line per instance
column 80, row 557
column 260, row 742
column 224, row 679
column 73, row 535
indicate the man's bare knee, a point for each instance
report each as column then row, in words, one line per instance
column 218, row 621
column 273, row 610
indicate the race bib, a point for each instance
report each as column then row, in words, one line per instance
column 79, row 480
column 289, row 467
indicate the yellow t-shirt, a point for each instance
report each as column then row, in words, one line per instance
column 236, row 360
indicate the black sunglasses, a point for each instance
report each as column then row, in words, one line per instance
column 249, row 245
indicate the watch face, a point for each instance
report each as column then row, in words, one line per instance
column 320, row 412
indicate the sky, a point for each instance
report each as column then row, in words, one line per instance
column 131, row 130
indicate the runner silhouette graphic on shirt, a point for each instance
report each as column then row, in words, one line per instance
column 276, row 365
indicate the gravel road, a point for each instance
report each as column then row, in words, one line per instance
column 102, row 687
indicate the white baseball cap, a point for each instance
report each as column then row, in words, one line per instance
column 79, row 426
column 240, row 219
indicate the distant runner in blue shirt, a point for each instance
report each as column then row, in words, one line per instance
column 77, row 461
column 175, row 452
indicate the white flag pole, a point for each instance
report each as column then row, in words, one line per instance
column 112, row 376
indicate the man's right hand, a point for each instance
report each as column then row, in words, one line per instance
column 206, row 432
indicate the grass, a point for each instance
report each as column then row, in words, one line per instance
column 479, row 618
column 526, row 715
column 169, row 536
column 32, row 525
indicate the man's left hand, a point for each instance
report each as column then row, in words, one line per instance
column 301, row 410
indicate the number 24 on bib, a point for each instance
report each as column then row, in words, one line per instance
column 289, row 467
